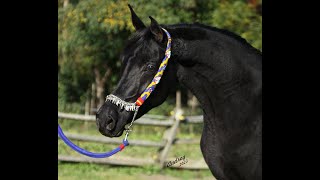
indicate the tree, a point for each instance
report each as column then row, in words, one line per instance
column 92, row 33
column 239, row 17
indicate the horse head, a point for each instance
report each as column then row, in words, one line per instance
column 140, row 59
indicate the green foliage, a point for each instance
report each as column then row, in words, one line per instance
column 164, row 109
column 241, row 18
column 172, row 12
column 92, row 33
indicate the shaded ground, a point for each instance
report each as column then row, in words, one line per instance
column 86, row 171
column 165, row 177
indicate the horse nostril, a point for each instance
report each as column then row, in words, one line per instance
column 109, row 126
column 111, row 123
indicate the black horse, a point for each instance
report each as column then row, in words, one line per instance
column 220, row 68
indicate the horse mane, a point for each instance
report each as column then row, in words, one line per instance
column 143, row 34
column 222, row 31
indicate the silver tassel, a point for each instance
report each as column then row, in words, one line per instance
column 122, row 104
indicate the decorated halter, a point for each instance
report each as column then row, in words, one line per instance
column 127, row 106
column 146, row 93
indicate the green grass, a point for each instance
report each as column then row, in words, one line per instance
column 85, row 171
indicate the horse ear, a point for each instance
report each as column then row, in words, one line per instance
column 137, row 23
column 156, row 30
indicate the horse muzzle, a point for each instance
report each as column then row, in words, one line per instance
column 108, row 120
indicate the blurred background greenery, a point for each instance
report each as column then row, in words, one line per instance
column 91, row 35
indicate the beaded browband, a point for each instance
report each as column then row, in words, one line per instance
column 135, row 106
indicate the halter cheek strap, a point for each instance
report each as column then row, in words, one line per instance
column 146, row 93
column 159, row 74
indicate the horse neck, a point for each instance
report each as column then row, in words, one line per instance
column 224, row 76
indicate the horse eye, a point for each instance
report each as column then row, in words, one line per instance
column 150, row 67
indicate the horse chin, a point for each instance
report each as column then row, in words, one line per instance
column 113, row 134
column 119, row 133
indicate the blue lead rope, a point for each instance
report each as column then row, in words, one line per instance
column 88, row 153
column 99, row 155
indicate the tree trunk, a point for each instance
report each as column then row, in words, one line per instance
column 100, row 82
column 93, row 98
column 87, row 107
column 65, row 3
column 100, row 96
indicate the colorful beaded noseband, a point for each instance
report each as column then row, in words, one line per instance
column 127, row 106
